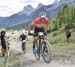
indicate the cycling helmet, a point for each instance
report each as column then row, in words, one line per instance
column 42, row 15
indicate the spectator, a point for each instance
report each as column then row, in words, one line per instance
column 68, row 35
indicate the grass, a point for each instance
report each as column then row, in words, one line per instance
column 60, row 41
column 13, row 60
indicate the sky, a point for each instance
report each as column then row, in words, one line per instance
column 9, row 7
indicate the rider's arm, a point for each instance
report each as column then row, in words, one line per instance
column 46, row 25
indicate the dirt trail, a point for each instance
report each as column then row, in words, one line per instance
column 28, row 59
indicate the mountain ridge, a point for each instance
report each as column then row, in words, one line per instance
column 29, row 13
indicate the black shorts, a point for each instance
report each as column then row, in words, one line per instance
column 36, row 31
column 3, row 44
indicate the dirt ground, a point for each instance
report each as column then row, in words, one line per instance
column 60, row 57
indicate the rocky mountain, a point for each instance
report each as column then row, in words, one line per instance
column 27, row 10
column 23, row 18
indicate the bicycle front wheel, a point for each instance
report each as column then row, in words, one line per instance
column 46, row 51
column 24, row 47
column 37, row 51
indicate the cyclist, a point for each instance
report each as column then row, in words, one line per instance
column 40, row 25
column 4, row 43
column 23, row 37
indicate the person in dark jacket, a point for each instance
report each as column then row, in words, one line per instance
column 4, row 43
column 68, row 35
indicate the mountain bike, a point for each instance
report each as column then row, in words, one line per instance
column 43, row 48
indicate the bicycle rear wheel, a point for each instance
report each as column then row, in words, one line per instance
column 46, row 51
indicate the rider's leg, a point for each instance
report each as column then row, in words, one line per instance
column 34, row 43
column 3, row 51
column 35, row 36
column 3, row 48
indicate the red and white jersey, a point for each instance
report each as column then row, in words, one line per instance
column 38, row 23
